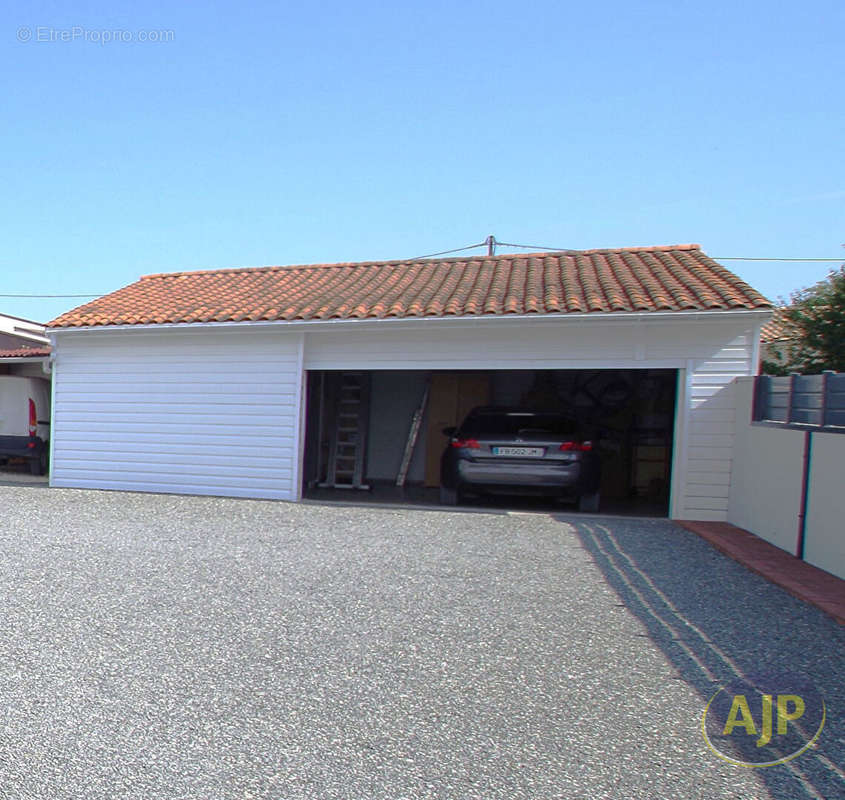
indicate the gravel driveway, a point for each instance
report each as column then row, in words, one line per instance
column 183, row 647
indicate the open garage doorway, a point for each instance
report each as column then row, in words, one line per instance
column 358, row 426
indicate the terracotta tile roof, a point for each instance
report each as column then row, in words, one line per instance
column 26, row 352
column 777, row 329
column 675, row 278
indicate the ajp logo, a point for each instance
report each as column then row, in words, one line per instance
column 764, row 720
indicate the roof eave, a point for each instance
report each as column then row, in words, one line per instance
column 463, row 320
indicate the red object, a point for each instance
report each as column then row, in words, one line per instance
column 800, row 579
column 472, row 444
column 581, row 447
column 33, row 419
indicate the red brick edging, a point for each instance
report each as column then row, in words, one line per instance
column 800, row 579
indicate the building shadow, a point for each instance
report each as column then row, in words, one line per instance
column 717, row 622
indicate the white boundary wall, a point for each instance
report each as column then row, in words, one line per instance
column 765, row 496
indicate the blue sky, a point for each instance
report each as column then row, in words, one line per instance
column 277, row 134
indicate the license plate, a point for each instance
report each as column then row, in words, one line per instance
column 519, row 451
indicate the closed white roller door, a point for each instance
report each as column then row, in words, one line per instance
column 191, row 411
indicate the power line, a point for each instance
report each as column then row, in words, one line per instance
column 537, row 247
column 92, row 294
column 748, row 258
column 446, row 252
column 492, row 242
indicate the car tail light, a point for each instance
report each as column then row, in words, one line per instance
column 579, row 447
column 471, row 444
column 33, row 422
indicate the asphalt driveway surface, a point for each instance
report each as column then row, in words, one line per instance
column 183, row 647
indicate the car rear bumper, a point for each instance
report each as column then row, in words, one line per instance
column 21, row 446
column 501, row 474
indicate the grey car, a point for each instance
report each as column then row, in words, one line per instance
column 510, row 450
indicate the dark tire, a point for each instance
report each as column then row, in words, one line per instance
column 448, row 497
column 38, row 464
column 589, row 502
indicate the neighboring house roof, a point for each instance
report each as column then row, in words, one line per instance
column 16, row 331
column 25, row 352
column 778, row 328
column 674, row 278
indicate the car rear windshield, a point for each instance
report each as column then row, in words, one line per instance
column 514, row 423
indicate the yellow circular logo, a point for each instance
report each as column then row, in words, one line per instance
column 763, row 720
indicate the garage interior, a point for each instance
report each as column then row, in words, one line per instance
column 358, row 426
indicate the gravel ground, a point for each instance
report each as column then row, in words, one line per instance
column 183, row 647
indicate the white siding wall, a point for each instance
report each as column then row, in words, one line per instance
column 711, row 422
column 198, row 412
column 709, row 352
column 482, row 345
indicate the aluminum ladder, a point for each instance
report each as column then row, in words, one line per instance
column 413, row 435
column 348, row 442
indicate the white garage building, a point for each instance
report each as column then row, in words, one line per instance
column 214, row 382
